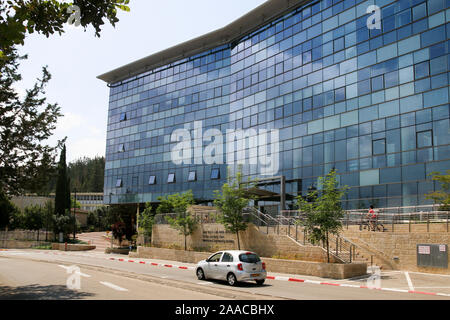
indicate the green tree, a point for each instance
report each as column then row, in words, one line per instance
column 119, row 231
column 34, row 218
column 7, row 210
column 231, row 200
column 26, row 163
column 17, row 220
column 104, row 218
column 86, row 174
column 146, row 221
column 63, row 223
column 62, row 193
column 21, row 17
column 441, row 196
column 25, row 124
column 324, row 214
column 183, row 221
column 49, row 210
column 92, row 221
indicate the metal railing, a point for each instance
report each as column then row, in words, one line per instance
column 388, row 219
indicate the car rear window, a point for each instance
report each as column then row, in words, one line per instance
column 249, row 257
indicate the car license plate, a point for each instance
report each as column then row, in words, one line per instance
column 255, row 274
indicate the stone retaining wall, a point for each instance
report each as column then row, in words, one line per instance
column 319, row 269
column 72, row 247
column 213, row 237
column 401, row 248
column 19, row 244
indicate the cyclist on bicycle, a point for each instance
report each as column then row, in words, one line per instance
column 372, row 218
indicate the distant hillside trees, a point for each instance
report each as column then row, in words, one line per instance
column 87, row 174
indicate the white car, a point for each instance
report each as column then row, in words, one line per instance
column 233, row 266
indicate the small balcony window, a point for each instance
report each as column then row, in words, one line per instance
column 118, row 183
column 215, row 174
column 171, row 178
column 152, row 180
column 192, row 176
column 123, row 116
column 121, row 147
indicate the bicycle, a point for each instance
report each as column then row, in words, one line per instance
column 373, row 225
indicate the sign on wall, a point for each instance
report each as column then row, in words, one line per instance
column 432, row 255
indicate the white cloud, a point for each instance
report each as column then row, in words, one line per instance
column 85, row 147
column 68, row 122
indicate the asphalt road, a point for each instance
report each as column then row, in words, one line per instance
column 32, row 274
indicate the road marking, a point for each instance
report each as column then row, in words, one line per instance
column 79, row 273
column 113, row 286
column 410, row 285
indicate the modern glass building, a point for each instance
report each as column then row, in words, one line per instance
column 372, row 103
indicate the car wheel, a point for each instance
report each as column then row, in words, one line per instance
column 231, row 279
column 200, row 274
column 260, row 282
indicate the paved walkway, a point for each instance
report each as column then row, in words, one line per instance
column 95, row 238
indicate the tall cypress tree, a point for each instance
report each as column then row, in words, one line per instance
column 62, row 193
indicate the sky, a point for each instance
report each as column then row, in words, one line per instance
column 76, row 58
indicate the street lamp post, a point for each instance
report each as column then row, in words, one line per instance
column 109, row 211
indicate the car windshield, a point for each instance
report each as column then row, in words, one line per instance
column 249, row 257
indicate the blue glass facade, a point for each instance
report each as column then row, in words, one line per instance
column 374, row 104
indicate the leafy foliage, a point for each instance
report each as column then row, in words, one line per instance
column 123, row 213
column 178, row 204
column 7, row 210
column 64, row 224
column 34, row 217
column 21, row 17
column 119, row 231
column 231, row 200
column 323, row 210
column 25, row 124
column 146, row 220
column 441, row 196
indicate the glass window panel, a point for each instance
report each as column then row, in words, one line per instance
column 215, row 174
column 408, row 138
column 441, row 132
column 171, row 178
column 192, row 176
column 413, row 172
column 425, row 155
column 424, row 139
column 379, row 146
column 422, row 70
column 369, row 177
column 152, row 180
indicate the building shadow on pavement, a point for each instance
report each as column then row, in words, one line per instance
column 38, row 292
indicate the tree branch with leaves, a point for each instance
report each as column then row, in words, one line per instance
column 323, row 210
column 231, row 200
column 178, row 203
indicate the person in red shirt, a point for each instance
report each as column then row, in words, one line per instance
column 372, row 218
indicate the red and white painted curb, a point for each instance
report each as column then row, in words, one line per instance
column 153, row 263
column 279, row 278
